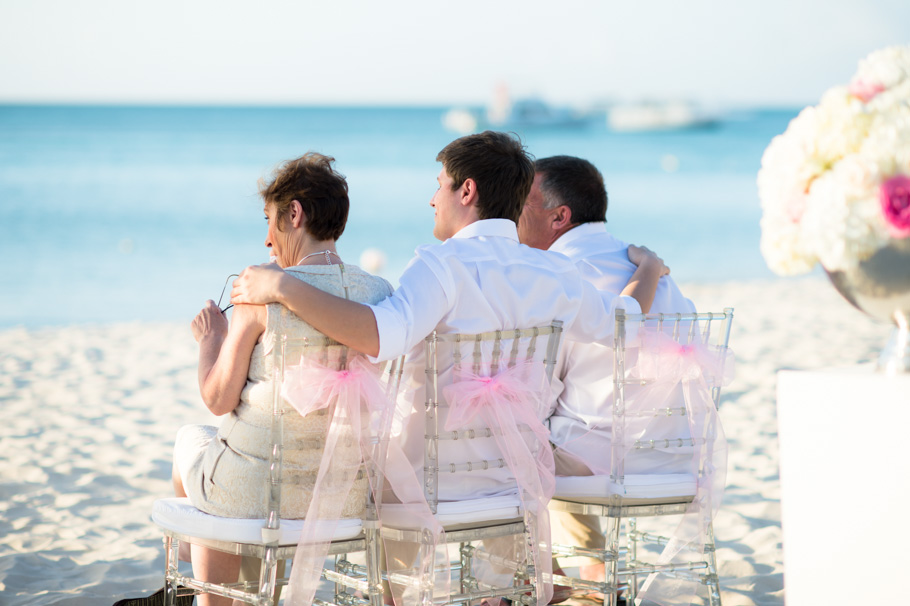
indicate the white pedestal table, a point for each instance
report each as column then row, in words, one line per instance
column 845, row 486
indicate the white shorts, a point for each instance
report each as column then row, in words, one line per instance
column 190, row 447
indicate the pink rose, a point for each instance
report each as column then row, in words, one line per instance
column 864, row 90
column 895, row 198
column 796, row 207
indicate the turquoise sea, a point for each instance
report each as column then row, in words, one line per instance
column 111, row 214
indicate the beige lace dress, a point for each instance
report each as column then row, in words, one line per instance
column 224, row 469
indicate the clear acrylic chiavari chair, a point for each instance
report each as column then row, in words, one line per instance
column 668, row 370
column 273, row 539
column 494, row 535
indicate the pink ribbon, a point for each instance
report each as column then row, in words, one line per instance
column 696, row 368
column 359, row 432
column 508, row 402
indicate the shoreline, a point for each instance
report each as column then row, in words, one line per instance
column 90, row 411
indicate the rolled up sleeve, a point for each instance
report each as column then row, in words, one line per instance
column 413, row 311
column 391, row 332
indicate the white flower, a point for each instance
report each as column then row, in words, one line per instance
column 819, row 181
column 887, row 67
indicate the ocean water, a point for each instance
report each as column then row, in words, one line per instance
column 111, row 214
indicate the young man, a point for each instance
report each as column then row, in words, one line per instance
column 566, row 213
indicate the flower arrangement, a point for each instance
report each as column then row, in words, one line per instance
column 835, row 187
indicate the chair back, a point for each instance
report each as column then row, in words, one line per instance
column 661, row 363
column 325, row 371
column 450, row 356
column 327, row 353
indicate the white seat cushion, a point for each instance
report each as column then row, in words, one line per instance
column 178, row 515
column 489, row 509
column 635, row 486
column 463, row 513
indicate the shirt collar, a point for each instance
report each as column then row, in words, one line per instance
column 568, row 240
column 501, row 228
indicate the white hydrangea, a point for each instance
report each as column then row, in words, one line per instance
column 887, row 67
column 819, row 181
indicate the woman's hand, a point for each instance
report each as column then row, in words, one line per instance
column 209, row 322
column 258, row 285
column 643, row 255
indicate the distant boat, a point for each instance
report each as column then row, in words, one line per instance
column 653, row 116
column 534, row 113
column 504, row 114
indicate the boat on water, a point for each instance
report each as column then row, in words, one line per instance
column 658, row 116
column 534, row 113
column 521, row 114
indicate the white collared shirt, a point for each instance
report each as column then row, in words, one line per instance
column 583, row 382
column 481, row 279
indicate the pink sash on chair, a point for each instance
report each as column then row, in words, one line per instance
column 697, row 368
column 361, row 417
column 506, row 402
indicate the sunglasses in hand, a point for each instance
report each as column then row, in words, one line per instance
column 226, row 282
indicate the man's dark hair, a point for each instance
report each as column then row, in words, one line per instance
column 576, row 183
column 498, row 164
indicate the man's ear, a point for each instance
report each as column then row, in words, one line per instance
column 468, row 192
column 561, row 218
column 296, row 216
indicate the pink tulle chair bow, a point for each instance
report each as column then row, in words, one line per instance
column 359, row 432
column 695, row 369
column 662, row 358
column 507, row 403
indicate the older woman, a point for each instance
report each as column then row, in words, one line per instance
column 221, row 469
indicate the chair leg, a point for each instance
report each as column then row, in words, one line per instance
column 342, row 564
column 268, row 576
column 465, row 576
column 374, row 564
column 632, row 559
column 611, row 568
column 170, row 550
column 712, row 580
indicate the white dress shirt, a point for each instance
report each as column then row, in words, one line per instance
column 481, row 279
column 583, row 383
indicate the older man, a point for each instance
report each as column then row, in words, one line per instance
column 566, row 213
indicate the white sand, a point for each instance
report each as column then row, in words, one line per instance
column 88, row 416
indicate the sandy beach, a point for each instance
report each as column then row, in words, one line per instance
column 89, row 415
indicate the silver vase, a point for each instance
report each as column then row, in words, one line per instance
column 880, row 287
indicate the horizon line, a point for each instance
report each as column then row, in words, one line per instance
column 6, row 103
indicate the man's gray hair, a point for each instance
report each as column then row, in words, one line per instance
column 576, row 183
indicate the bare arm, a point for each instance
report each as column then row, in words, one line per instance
column 345, row 321
column 224, row 353
column 642, row 286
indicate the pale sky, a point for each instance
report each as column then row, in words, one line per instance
column 422, row 52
